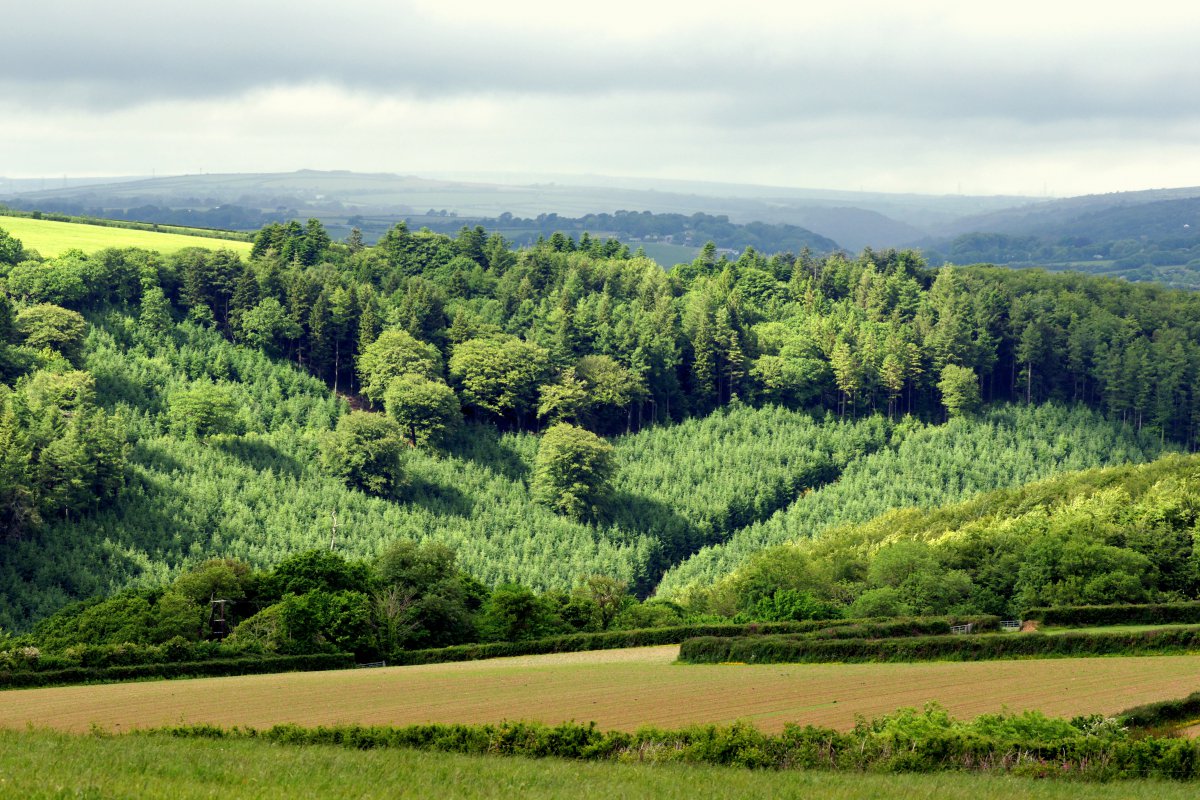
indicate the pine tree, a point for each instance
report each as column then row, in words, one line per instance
column 321, row 337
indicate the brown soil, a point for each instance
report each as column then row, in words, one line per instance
column 618, row 689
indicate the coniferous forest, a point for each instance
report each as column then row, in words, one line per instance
column 562, row 411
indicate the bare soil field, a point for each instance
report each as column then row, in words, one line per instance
column 618, row 689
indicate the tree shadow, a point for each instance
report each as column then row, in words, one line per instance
column 155, row 458
column 641, row 516
column 481, row 444
column 259, row 454
column 444, row 501
column 114, row 387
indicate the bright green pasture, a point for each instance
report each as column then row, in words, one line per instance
column 50, row 765
column 51, row 238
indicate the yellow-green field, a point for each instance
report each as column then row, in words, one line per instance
column 36, row 765
column 52, row 238
column 617, row 689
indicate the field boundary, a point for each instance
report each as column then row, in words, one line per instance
column 650, row 637
column 25, row 679
column 1141, row 614
column 908, row 741
column 788, row 649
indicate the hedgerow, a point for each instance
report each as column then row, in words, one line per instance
column 1090, row 748
column 180, row 669
column 784, row 649
column 1140, row 614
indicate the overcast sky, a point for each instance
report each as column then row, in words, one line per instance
column 941, row 97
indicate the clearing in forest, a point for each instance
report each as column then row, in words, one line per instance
column 617, row 689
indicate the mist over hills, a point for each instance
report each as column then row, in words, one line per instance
column 1139, row 235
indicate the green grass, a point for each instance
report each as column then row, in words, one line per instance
column 53, row 238
column 36, row 764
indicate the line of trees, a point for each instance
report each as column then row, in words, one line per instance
column 584, row 333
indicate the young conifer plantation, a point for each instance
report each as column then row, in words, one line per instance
column 159, row 412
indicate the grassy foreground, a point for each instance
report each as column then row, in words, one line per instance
column 37, row 764
column 51, row 238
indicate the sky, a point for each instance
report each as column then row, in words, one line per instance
column 1049, row 97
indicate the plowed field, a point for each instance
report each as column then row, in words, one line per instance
column 618, row 689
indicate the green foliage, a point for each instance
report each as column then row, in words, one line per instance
column 365, row 451
column 269, row 326
column 960, row 390
column 393, row 354
column 573, row 472
column 145, row 670
column 499, row 376
column 11, row 249
column 1123, row 533
column 1124, row 614
column 513, row 613
column 63, row 455
column 427, row 410
column 203, row 409
column 53, row 327
column 603, row 640
column 62, row 281
column 607, row 341
column 910, row 740
column 928, row 467
column 314, row 571
column 784, row 649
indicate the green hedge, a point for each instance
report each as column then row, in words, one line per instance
column 908, row 741
column 184, row 669
column 785, row 649
column 606, row 640
column 1148, row 614
column 1154, row 715
column 611, row 640
column 899, row 628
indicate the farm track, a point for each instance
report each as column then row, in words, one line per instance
column 618, row 689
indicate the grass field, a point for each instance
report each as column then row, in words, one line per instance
column 617, row 689
column 38, row 764
column 52, row 238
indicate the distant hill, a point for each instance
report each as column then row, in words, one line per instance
column 1142, row 236
column 852, row 219
column 1151, row 235
column 1049, row 216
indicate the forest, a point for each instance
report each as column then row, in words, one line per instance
column 552, row 413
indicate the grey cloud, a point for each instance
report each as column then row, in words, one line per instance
column 75, row 53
